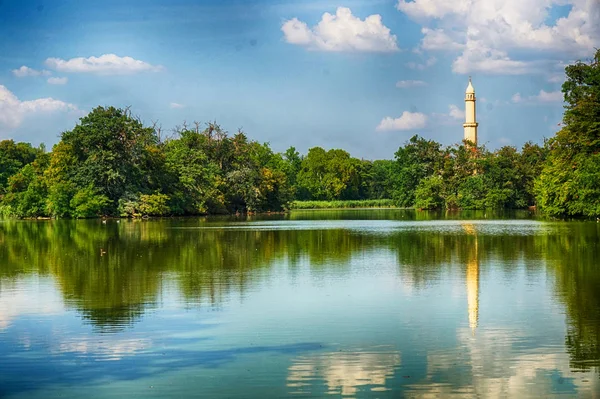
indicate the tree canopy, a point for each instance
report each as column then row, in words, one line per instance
column 111, row 164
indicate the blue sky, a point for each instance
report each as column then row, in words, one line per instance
column 266, row 67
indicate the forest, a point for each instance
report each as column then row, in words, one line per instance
column 112, row 165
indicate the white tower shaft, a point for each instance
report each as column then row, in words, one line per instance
column 470, row 124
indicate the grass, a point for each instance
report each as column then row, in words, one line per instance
column 378, row 203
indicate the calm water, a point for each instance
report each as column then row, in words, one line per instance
column 379, row 303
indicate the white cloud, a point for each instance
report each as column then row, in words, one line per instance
column 342, row 32
column 456, row 112
column 58, row 81
column 492, row 33
column 26, row 71
column 437, row 39
column 477, row 57
column 450, row 119
column 13, row 111
column 554, row 96
column 516, row 98
column 403, row 84
column 105, row 64
column 430, row 62
column 541, row 97
column 176, row 105
column 422, row 9
column 407, row 121
column 557, row 78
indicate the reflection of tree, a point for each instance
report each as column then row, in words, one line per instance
column 210, row 259
column 424, row 253
column 575, row 259
column 113, row 272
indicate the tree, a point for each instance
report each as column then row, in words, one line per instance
column 112, row 151
column 569, row 183
column 194, row 183
column 329, row 175
column 418, row 159
column 13, row 156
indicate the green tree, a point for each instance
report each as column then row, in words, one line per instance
column 13, row 156
column 415, row 161
column 570, row 180
column 428, row 194
column 329, row 175
column 194, row 182
column 112, row 152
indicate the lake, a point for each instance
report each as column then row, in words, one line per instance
column 356, row 303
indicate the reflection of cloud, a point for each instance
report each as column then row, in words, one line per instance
column 344, row 372
column 30, row 296
column 101, row 348
column 497, row 370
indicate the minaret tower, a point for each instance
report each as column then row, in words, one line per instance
column 470, row 124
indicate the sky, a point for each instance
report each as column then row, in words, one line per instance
column 361, row 75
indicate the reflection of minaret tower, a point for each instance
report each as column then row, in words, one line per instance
column 470, row 124
column 472, row 280
column 473, row 289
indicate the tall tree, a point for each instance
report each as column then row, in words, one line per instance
column 570, row 180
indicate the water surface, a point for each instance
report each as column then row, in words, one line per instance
column 377, row 303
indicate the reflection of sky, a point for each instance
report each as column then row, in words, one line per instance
column 343, row 372
column 353, row 326
column 497, row 368
column 31, row 295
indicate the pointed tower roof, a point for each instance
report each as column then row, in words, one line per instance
column 470, row 89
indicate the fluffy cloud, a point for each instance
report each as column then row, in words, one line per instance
column 58, row 81
column 541, row 97
column 437, row 39
column 491, row 32
column 448, row 119
column 477, row 57
column 407, row 121
column 108, row 64
column 341, row 32
column 456, row 112
column 403, row 84
column 26, row 71
column 557, row 78
column 13, row 111
column 430, row 62
column 176, row 105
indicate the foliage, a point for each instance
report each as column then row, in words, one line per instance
column 415, row 161
column 428, row 193
column 111, row 164
column 374, row 203
column 89, row 203
column 569, row 183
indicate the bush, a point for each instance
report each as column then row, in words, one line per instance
column 154, row 204
column 87, row 203
column 379, row 203
column 428, row 194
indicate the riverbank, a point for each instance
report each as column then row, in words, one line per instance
column 378, row 203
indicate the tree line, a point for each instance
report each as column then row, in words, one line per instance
column 111, row 164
